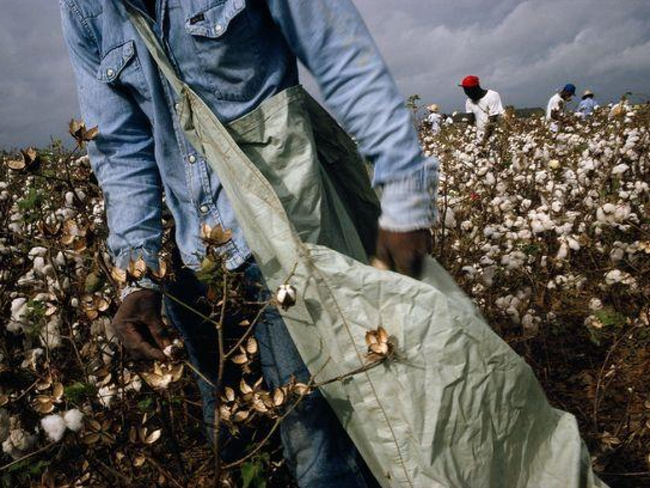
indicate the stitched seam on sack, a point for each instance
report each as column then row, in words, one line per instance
column 347, row 327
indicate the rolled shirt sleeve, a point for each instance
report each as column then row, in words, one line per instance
column 333, row 42
column 122, row 155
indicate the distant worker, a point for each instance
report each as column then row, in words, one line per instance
column 587, row 105
column 483, row 106
column 557, row 104
column 434, row 119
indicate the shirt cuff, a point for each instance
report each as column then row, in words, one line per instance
column 151, row 259
column 142, row 284
column 410, row 204
column 149, row 256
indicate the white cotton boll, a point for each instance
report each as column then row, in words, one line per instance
column 609, row 208
column 73, row 420
column 18, row 318
column 622, row 213
column 106, row 394
column 37, row 251
column 556, row 206
column 470, row 270
column 620, row 169
column 563, row 252
column 490, row 179
column 50, row 335
column 54, row 427
column 574, row 245
column 39, row 264
column 595, row 304
column 450, row 219
column 60, row 259
column 617, row 255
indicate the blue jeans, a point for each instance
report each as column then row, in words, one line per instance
column 316, row 447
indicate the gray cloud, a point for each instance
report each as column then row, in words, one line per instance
column 37, row 93
column 524, row 49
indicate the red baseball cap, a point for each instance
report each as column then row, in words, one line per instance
column 470, row 81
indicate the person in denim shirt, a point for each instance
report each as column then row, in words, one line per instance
column 236, row 54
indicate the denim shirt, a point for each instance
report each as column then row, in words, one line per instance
column 587, row 106
column 234, row 54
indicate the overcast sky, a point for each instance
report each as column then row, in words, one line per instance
column 523, row 49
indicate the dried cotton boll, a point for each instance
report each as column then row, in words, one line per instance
column 286, row 296
column 18, row 443
column 54, row 427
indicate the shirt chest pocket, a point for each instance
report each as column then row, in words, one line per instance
column 226, row 43
column 120, row 67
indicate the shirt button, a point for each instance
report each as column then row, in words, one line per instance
column 218, row 28
column 110, row 72
column 204, row 209
column 177, row 106
column 192, row 159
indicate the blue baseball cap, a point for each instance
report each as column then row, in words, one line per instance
column 570, row 88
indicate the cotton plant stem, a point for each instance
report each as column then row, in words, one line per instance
column 222, row 363
column 248, row 332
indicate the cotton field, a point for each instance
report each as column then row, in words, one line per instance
column 548, row 230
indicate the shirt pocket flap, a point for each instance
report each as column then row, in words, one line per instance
column 114, row 61
column 214, row 20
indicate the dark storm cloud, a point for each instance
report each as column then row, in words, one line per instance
column 37, row 94
column 524, row 49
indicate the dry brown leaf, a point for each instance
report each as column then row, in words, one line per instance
column 240, row 359
column 230, row 394
column 244, row 387
column 119, row 275
column 241, row 416
column 139, row 460
column 137, row 268
column 251, row 346
column 278, row 397
column 16, row 164
column 57, row 392
column 153, row 437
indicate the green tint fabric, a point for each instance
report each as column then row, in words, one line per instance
column 456, row 407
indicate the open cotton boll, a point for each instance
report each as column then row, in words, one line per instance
column 73, row 420
column 54, row 427
column 18, row 315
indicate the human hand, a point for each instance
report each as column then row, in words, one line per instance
column 139, row 326
column 404, row 252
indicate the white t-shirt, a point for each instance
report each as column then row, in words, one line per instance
column 555, row 104
column 488, row 106
column 435, row 120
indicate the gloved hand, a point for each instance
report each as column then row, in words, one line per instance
column 139, row 326
column 404, row 252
